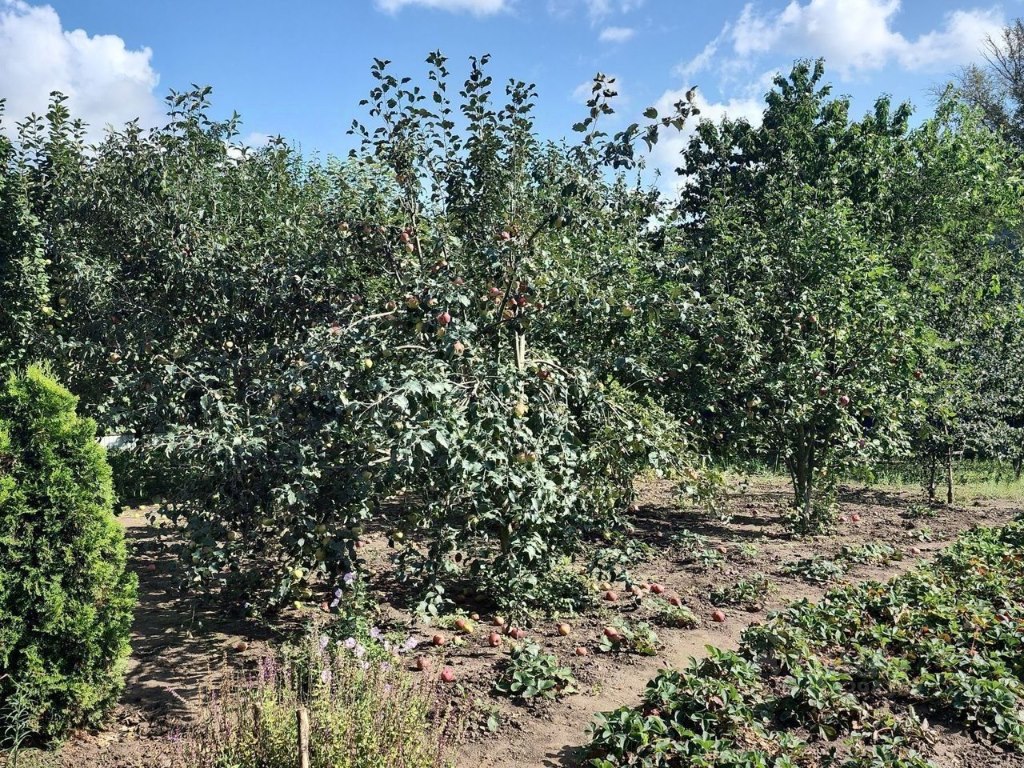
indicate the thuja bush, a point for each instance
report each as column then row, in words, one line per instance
column 65, row 597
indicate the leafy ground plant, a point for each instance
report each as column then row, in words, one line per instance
column 529, row 672
column 834, row 677
column 748, row 593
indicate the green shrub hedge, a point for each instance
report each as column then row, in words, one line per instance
column 65, row 598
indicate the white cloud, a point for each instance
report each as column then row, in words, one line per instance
column 858, row 35
column 616, row 34
column 597, row 10
column 749, row 106
column 105, row 82
column 476, row 7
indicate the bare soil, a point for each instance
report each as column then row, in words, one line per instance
column 180, row 646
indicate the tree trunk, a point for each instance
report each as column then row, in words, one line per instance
column 949, row 469
column 930, row 483
column 1018, row 466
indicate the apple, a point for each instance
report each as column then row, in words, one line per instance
column 822, row 391
column 611, row 633
column 718, row 616
column 675, row 602
column 494, row 640
column 581, row 651
column 844, row 400
column 499, row 621
column 520, row 409
column 448, row 674
column 543, row 374
column 474, row 617
column 464, row 625
column 367, row 363
column 444, row 318
column 411, row 301
column 422, row 663
column 404, row 236
column 241, row 646
column 611, row 596
column 564, row 629
column 657, row 589
column 298, row 573
column 391, row 306
column 438, row 639
column 854, row 518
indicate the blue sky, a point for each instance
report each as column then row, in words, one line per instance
column 299, row 69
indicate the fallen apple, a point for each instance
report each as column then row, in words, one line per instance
column 422, row 663
column 657, row 589
column 494, row 640
column 564, row 629
column 718, row 616
column 611, row 596
column 448, row 674
column 439, row 639
column 581, row 651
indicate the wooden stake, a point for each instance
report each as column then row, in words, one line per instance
column 302, row 717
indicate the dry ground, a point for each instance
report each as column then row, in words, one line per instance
column 180, row 646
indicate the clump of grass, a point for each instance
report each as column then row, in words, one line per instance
column 361, row 712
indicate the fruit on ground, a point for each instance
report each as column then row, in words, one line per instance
column 564, row 629
column 464, row 625
column 611, row 596
column 499, row 621
column 448, row 674
column 422, row 663
column 494, row 640
column 675, row 602
column 581, row 651
column 611, row 633
column 657, row 589
column 855, row 518
column 438, row 639
column 718, row 616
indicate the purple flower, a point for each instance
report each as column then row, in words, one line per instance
column 350, row 643
column 349, row 577
column 375, row 633
column 359, row 651
column 338, row 593
column 410, row 643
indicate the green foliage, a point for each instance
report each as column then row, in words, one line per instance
column 748, row 593
column 677, row 616
column 529, row 672
column 637, row 638
column 66, row 599
column 947, row 635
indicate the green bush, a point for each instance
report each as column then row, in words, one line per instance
column 65, row 598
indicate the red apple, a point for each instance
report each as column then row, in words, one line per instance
column 844, row 400
column 657, row 589
column 448, row 674
column 611, row 633
column 438, row 639
column 718, row 616
column 675, row 601
column 854, row 518
column 444, row 318
column 611, row 597
column 494, row 639
column 581, row 651
column 463, row 625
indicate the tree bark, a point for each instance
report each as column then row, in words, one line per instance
column 302, row 718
